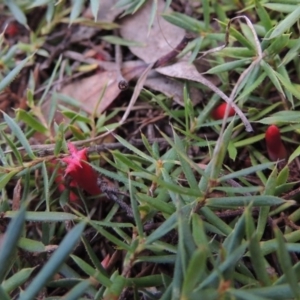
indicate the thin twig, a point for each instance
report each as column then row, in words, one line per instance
column 139, row 86
column 122, row 82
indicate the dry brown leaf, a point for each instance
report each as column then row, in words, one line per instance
column 88, row 90
column 162, row 38
column 171, row 88
column 17, row 195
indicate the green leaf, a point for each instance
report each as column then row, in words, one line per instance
column 32, row 122
column 282, row 117
column 118, row 285
column 256, row 256
column 229, row 66
column 283, row 176
column 77, row 6
column 295, row 154
column 286, row 264
column 54, row 263
column 246, row 171
column 278, row 45
column 13, row 148
column 3, row 294
column 195, row 270
column 13, row 73
column 46, row 185
column 119, row 41
column 281, row 7
column 229, row 262
column 244, row 295
column 78, row 290
column 135, row 208
column 9, row 243
column 110, row 237
column 16, row 130
column 158, row 204
column 5, row 178
column 95, row 6
column 31, row 245
column 89, row 270
column 185, row 22
column 17, row 12
column 278, row 292
column 288, row 85
column 244, row 201
column 16, row 280
column 263, row 15
column 163, row 229
column 286, row 23
column 272, row 75
column 184, row 161
column 41, row 216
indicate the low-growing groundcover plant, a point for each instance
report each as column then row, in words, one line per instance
column 154, row 188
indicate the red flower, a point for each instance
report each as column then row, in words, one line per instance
column 219, row 112
column 59, row 179
column 275, row 147
column 82, row 174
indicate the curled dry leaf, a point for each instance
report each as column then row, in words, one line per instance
column 162, row 38
column 171, row 88
column 159, row 40
column 88, row 90
column 17, row 195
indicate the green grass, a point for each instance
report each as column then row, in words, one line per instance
column 192, row 207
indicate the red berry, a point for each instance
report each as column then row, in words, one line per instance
column 275, row 147
column 219, row 112
column 11, row 30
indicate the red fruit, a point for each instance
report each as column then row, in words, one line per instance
column 219, row 112
column 11, row 30
column 60, row 181
column 82, row 174
column 275, row 147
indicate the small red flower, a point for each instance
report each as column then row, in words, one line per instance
column 59, row 179
column 82, row 174
column 275, row 147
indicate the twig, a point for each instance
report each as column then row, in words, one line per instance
column 122, row 82
column 136, row 93
column 45, row 150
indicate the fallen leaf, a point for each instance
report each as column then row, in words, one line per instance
column 162, row 37
column 171, row 88
column 17, row 195
column 88, row 90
